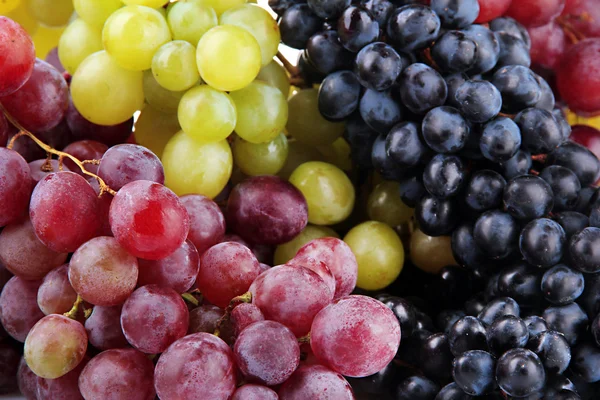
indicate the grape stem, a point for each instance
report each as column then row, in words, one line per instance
column 244, row 298
column 189, row 297
column 295, row 75
column 72, row 313
column 304, row 339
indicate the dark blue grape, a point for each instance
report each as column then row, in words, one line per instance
column 496, row 233
column 328, row 8
column 520, row 372
column 465, row 250
column 360, row 137
column 436, row 359
column 412, row 190
column 553, row 350
column 416, row 388
column 444, row 176
column 436, row 217
column 488, row 49
column 468, row 333
column 518, row 87
column 445, row 130
column 475, row 305
column 297, row 25
column 281, row 6
column 578, row 159
column 561, row 285
column 485, row 190
column 380, row 110
column 379, row 9
column 584, row 250
column 478, row 101
column 456, row 14
column 357, row 28
column 452, row 392
column 454, row 52
column 572, row 222
column 521, row 282
column 378, row 66
column 570, row 320
column 497, row 308
column 547, row 102
column 585, row 362
column 339, row 95
column 543, row 242
column 519, row 164
column 404, row 145
column 453, row 82
column 474, row 372
column 447, row 318
column 559, row 116
column 413, row 27
column 595, row 329
column 539, row 130
column 512, row 27
column 307, row 71
column 403, row 310
column 422, row 88
column 505, row 333
column 565, row 186
column 513, row 51
column 528, row 197
column 500, row 140
column 535, row 325
column 326, row 54
column 383, row 163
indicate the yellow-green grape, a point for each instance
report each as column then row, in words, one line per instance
column 385, row 205
column 174, row 66
column 192, row 167
column 220, row 6
column 52, row 13
column 147, row 3
column 228, row 58
column 298, row 153
column 431, row 254
column 274, row 74
column 328, row 192
column 7, row 6
column 78, row 41
column 96, row 12
column 46, row 39
column 337, row 153
column 379, row 254
column 189, row 21
column 132, row 35
column 305, row 122
column 262, row 158
column 23, row 16
column 206, row 114
column 154, row 128
column 262, row 112
column 159, row 97
column 259, row 23
column 105, row 93
column 285, row 252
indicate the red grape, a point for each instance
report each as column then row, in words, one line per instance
column 548, row 45
column 58, row 137
column 586, row 136
column 17, row 56
column 56, row 295
column 148, row 220
column 491, row 9
column 318, row 267
column 266, row 210
column 254, row 392
column 153, row 318
column 263, row 267
column 244, row 315
column 199, row 366
column 204, row 318
column 226, row 270
column 532, row 13
column 583, row 16
column 19, row 310
column 9, row 366
column 85, row 150
column 24, row 255
column 27, row 381
column 126, row 163
column 104, row 203
column 15, row 186
column 64, row 388
column 207, row 224
column 84, row 129
column 37, row 171
column 356, row 336
column 104, row 328
column 26, row 147
column 291, row 296
column 578, row 77
column 118, row 374
column 41, row 103
column 316, row 382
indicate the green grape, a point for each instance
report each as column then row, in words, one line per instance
column 305, row 122
column 228, row 58
column 298, row 153
column 78, row 41
column 23, row 16
column 220, row 6
column 262, row 112
column 154, row 128
column 189, row 21
column 328, row 192
column 206, row 114
column 192, row 167
column 52, row 13
column 262, row 158
column 7, row 6
column 379, row 254
column 259, row 23
column 174, row 66
column 274, row 74
column 147, row 3
column 385, row 205
column 105, row 93
column 431, row 254
column 337, row 153
column 285, row 252
column 159, row 97
column 132, row 35
column 96, row 12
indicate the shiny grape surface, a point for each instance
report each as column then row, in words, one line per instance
column 56, row 295
column 125, row 163
column 18, row 56
column 207, row 223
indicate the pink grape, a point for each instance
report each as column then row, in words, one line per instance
column 24, row 255
column 204, row 318
column 37, row 173
column 65, row 388
column 578, row 79
column 85, row 150
column 118, row 374
column 491, row 9
column 261, row 252
column 104, row 328
column 198, row 366
column 267, row 352
column 534, row 13
column 226, row 270
column 19, row 310
column 320, row 268
column 17, row 56
column 243, row 315
column 291, row 296
column 15, row 186
column 266, row 210
column 583, row 16
column 254, row 392
column 102, row 272
column 588, row 137
column 548, row 45
column 154, row 317
column 315, row 382
column 207, row 223
column 148, row 220
column 56, row 295
column 41, row 103
column 356, row 336
column 104, row 203
column 177, row 271
column 126, row 163
column 64, row 211
column 9, row 366
column 27, row 381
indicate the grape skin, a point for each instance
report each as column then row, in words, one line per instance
column 77, row 42
column 56, row 295
column 314, row 381
column 27, row 381
column 204, row 318
column 254, row 392
column 245, row 315
column 66, row 387
column 207, row 223
column 18, row 56
column 125, row 163
column 104, row 328
column 19, row 310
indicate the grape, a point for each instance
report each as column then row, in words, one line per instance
column 339, row 95
column 254, row 392
column 430, row 254
column 275, row 75
column 96, row 12
column 77, row 42
column 154, row 317
column 37, row 167
column 267, row 352
column 548, row 44
column 287, row 251
column 84, row 150
column 173, row 66
column 126, row 163
column 66, row 387
column 575, row 81
column 385, row 205
column 190, row 20
column 202, row 356
column 207, row 224
column 154, row 128
column 55, row 295
column 519, row 373
column 27, row 381
column 582, row 16
column 536, row 12
column 23, row 16
column 108, row 135
column 118, row 374
column 298, row 23
column 19, row 310
column 148, row 220
column 105, row 93
column 244, row 315
column 444, row 176
column 15, row 186
column 491, row 9
column 9, row 366
column 260, row 159
column 55, row 346
column 158, row 97
column 191, row 167
column 313, row 382
column 18, row 56
column 318, row 267
column 50, row 12
column 147, row 3
column 204, row 318
column 412, row 27
column 104, row 328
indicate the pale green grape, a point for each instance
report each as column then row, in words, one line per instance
column 298, row 153
column 105, row 93
column 96, row 12
column 159, row 97
column 7, row 6
column 78, row 41
column 262, row 112
column 262, row 158
column 192, row 167
column 228, row 58
column 220, row 6
column 259, row 23
column 23, row 16
column 206, row 114
column 385, row 205
column 147, row 3
column 154, row 128
column 431, row 254
column 274, row 74
column 285, row 252
column 305, row 122
column 132, row 34
column 174, row 66
column 52, row 13
column 189, row 21
column 337, row 153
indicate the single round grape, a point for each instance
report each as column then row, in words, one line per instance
column 15, row 186
column 244, row 315
column 84, row 150
column 65, row 387
column 190, row 20
column 207, row 223
column 27, row 381
column 96, row 12
column 77, row 42
column 173, row 66
column 262, row 158
column 287, row 251
column 385, row 205
column 202, row 356
column 56, row 295
column 275, row 75
column 159, row 97
column 154, row 129
column 103, row 327
column 50, row 12
column 205, row 318
column 429, row 253
column 125, row 163
column 19, row 310
column 312, row 381
column 18, row 56
column 105, row 93
column 520, row 372
column 254, row 392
